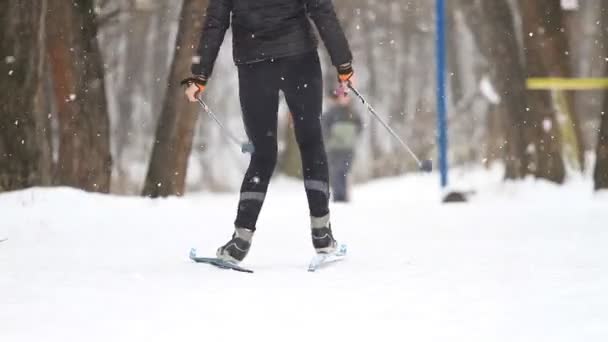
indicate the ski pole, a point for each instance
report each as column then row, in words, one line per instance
column 246, row 147
column 424, row 165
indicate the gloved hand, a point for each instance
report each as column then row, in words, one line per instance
column 345, row 73
column 196, row 86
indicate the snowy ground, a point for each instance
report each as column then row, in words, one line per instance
column 520, row 262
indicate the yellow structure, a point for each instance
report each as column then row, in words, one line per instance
column 557, row 83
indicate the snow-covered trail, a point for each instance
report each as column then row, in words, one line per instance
column 521, row 262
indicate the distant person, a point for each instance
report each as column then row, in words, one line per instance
column 275, row 49
column 341, row 127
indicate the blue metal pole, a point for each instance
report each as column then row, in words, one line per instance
column 442, row 135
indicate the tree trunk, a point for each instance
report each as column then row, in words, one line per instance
column 588, row 40
column 498, row 42
column 544, row 46
column 42, row 105
column 568, row 69
column 78, row 79
column 175, row 130
column 21, row 144
column 600, row 174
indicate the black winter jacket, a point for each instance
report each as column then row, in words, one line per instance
column 266, row 29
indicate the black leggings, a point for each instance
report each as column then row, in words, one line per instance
column 300, row 79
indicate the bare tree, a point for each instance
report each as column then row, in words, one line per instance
column 587, row 50
column 544, row 45
column 600, row 174
column 498, row 42
column 21, row 142
column 175, row 130
column 43, row 102
column 78, row 78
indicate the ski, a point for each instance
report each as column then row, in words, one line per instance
column 321, row 260
column 219, row 263
column 3, row 239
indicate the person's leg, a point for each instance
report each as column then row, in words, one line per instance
column 348, row 166
column 302, row 84
column 333, row 173
column 259, row 95
column 303, row 87
column 339, row 177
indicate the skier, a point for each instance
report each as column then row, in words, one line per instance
column 341, row 127
column 275, row 49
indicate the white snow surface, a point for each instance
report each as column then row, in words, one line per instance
column 524, row 261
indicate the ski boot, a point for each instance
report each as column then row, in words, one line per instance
column 322, row 238
column 235, row 250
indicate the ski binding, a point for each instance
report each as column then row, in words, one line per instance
column 219, row 263
column 321, row 259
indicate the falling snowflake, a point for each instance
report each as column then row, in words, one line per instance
column 570, row 5
column 547, row 124
column 530, row 149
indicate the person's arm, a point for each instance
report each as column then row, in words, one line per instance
column 212, row 36
column 324, row 16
